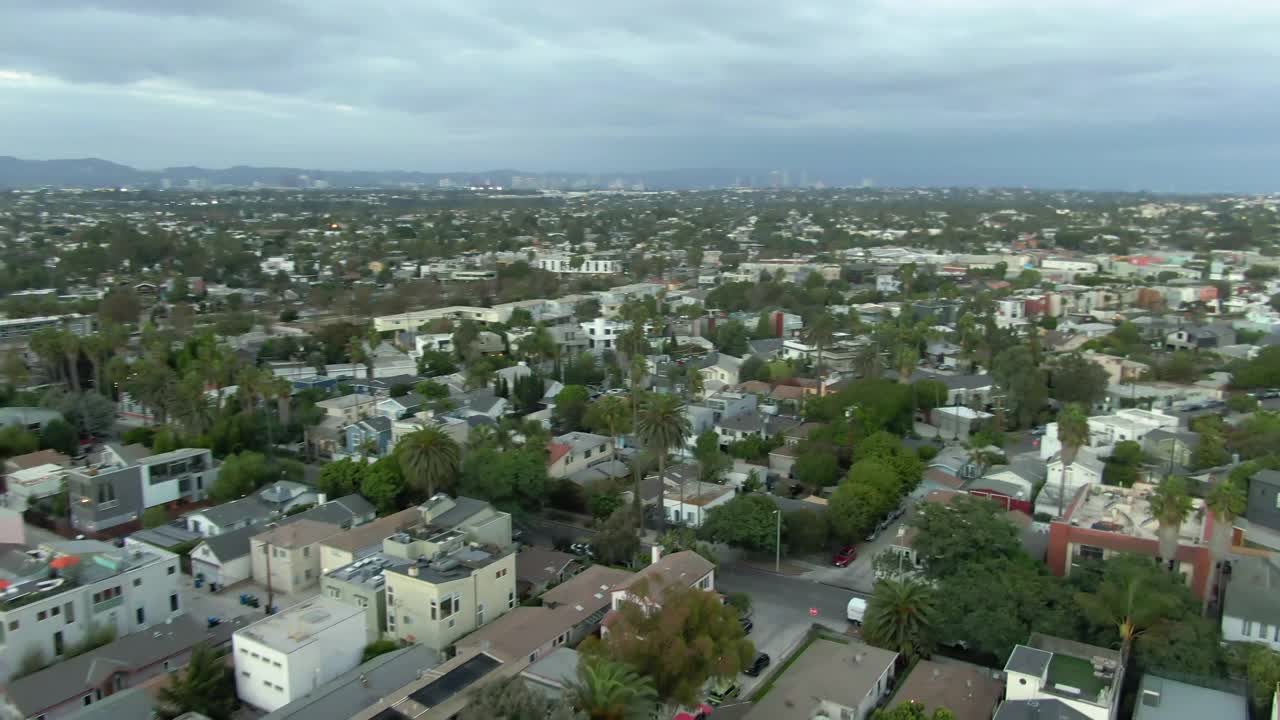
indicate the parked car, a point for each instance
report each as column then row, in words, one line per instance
column 758, row 665
column 844, row 556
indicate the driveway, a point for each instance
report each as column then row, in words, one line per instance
column 781, row 608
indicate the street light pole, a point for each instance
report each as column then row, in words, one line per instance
column 777, row 544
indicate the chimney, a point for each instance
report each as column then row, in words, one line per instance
column 655, row 554
column 413, row 570
column 321, row 498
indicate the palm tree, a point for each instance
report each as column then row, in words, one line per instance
column 282, row 391
column 610, row 690
column 429, row 459
column 819, row 334
column 1170, row 505
column 206, row 686
column 1127, row 601
column 538, row 346
column 1073, row 433
column 612, row 411
column 69, row 344
column 482, row 436
column 1226, row 501
column 662, row 426
column 902, row 616
column 905, row 361
column 46, row 344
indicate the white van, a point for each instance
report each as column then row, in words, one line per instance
column 856, row 610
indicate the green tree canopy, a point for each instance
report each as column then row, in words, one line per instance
column 512, row 480
column 695, row 638
column 962, row 533
column 571, row 408
column 206, row 685
column 746, row 521
column 1077, row 379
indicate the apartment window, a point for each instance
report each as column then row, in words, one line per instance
column 273, row 662
column 70, row 614
column 1089, row 552
column 278, row 688
column 106, row 493
column 1247, row 630
column 172, row 569
column 55, row 611
column 434, row 609
column 334, row 592
column 88, row 700
column 306, row 551
column 501, row 573
column 137, row 582
column 480, row 614
column 407, row 620
column 142, row 615
column 245, row 673
column 40, row 616
column 1262, row 630
column 361, row 601
column 511, row 599
column 173, row 602
column 266, row 684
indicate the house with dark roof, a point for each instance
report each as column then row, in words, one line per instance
column 67, row 686
column 223, row 559
column 1162, row 698
column 1263, row 509
column 371, row 435
column 680, row 569
column 538, row 568
column 228, row 516
column 1250, row 612
column 348, row 694
column 968, row 691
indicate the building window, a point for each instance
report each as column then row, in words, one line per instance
column 40, row 616
column 88, row 700
column 1262, row 630
column 172, row 569
column 1247, row 629
column 407, row 620
column 142, row 615
column 173, row 602
column 334, row 592
column 511, row 599
column 306, row 551
column 245, row 673
column 501, row 573
column 1089, row 552
column 137, row 582
column 361, row 601
column 55, row 611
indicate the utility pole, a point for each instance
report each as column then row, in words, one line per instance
column 266, row 547
column 777, row 544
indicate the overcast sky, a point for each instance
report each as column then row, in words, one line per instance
column 1158, row 94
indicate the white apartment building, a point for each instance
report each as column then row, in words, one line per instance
column 587, row 266
column 602, row 334
column 17, row 331
column 417, row 318
column 1107, row 430
column 273, row 265
column 57, row 593
column 287, row 655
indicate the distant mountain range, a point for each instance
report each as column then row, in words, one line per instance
column 17, row 173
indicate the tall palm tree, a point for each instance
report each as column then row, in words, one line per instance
column 1226, row 501
column 1170, row 505
column 612, row 411
column 70, row 346
column 1073, row 433
column 46, row 344
column 1127, row 601
column 819, row 334
column 610, row 690
column 429, row 459
column 639, row 368
column 282, row 391
column 902, row 616
column 905, row 360
column 663, row 426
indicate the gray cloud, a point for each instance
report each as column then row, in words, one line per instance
column 586, row 84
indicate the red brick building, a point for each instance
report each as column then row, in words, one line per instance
column 1101, row 521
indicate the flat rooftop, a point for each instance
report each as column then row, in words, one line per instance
column 1127, row 511
column 297, row 626
column 367, row 571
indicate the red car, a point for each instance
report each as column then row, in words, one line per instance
column 846, row 555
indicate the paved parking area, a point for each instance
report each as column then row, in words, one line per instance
column 225, row 603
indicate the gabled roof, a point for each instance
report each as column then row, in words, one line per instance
column 342, row 512
column 231, row 545
column 65, row 680
column 245, row 509
column 682, row 568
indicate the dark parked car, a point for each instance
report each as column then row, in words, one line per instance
column 844, row 556
column 758, row 665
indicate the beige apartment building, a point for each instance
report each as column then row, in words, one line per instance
column 289, row 556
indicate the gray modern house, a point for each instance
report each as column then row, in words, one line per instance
column 122, row 482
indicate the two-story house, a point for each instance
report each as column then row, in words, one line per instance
column 349, row 408
column 1263, row 509
column 288, row 556
column 117, row 488
column 575, row 451
column 685, row 569
column 368, row 436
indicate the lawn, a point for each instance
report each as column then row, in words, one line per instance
column 1077, row 673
